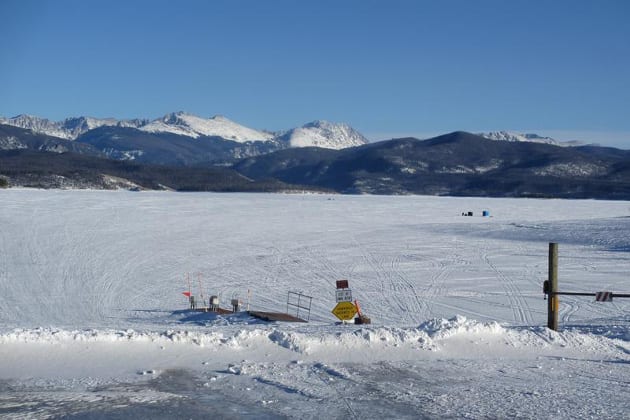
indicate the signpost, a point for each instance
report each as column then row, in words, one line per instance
column 344, row 295
column 550, row 289
column 345, row 311
column 342, row 284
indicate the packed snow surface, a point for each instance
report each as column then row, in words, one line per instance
column 93, row 322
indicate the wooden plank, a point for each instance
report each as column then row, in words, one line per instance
column 275, row 316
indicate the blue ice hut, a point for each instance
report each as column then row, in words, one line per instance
column 486, row 213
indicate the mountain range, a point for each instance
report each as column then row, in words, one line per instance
column 314, row 134
column 68, row 129
column 527, row 137
column 317, row 156
column 317, row 133
column 175, row 139
column 458, row 164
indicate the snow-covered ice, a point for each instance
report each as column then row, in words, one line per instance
column 93, row 322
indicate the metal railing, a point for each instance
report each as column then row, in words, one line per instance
column 298, row 301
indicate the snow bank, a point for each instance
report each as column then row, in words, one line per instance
column 434, row 335
column 444, row 328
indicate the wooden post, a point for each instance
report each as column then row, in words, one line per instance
column 553, row 304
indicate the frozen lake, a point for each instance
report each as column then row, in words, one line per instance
column 91, row 306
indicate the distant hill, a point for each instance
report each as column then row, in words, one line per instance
column 458, row 163
column 16, row 138
column 27, row 168
column 526, row 137
column 170, row 149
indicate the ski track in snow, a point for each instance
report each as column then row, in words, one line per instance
column 522, row 311
column 96, row 260
column 92, row 319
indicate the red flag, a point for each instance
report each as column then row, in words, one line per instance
column 187, row 294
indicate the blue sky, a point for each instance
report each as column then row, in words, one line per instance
column 388, row 68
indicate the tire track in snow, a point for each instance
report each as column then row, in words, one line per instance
column 329, row 376
column 569, row 307
column 395, row 289
column 520, row 306
column 261, row 272
column 321, row 267
column 415, row 299
column 599, row 308
column 464, row 311
column 406, row 287
column 5, row 288
column 35, row 260
column 77, row 262
column 444, row 267
column 408, row 293
column 485, row 302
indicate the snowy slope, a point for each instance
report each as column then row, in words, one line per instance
column 317, row 133
column 79, row 125
column 528, row 137
column 68, row 129
column 192, row 126
column 38, row 125
column 324, row 134
column 177, row 123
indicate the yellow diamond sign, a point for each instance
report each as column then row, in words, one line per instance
column 345, row 311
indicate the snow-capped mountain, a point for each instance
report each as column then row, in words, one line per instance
column 324, row 134
column 37, row 125
column 79, row 125
column 68, row 129
column 527, row 137
column 317, row 133
column 193, row 126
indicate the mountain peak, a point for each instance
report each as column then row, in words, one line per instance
column 318, row 123
column 68, row 129
column 325, row 134
column 38, row 125
column 185, row 124
column 25, row 116
column 172, row 117
column 517, row 137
